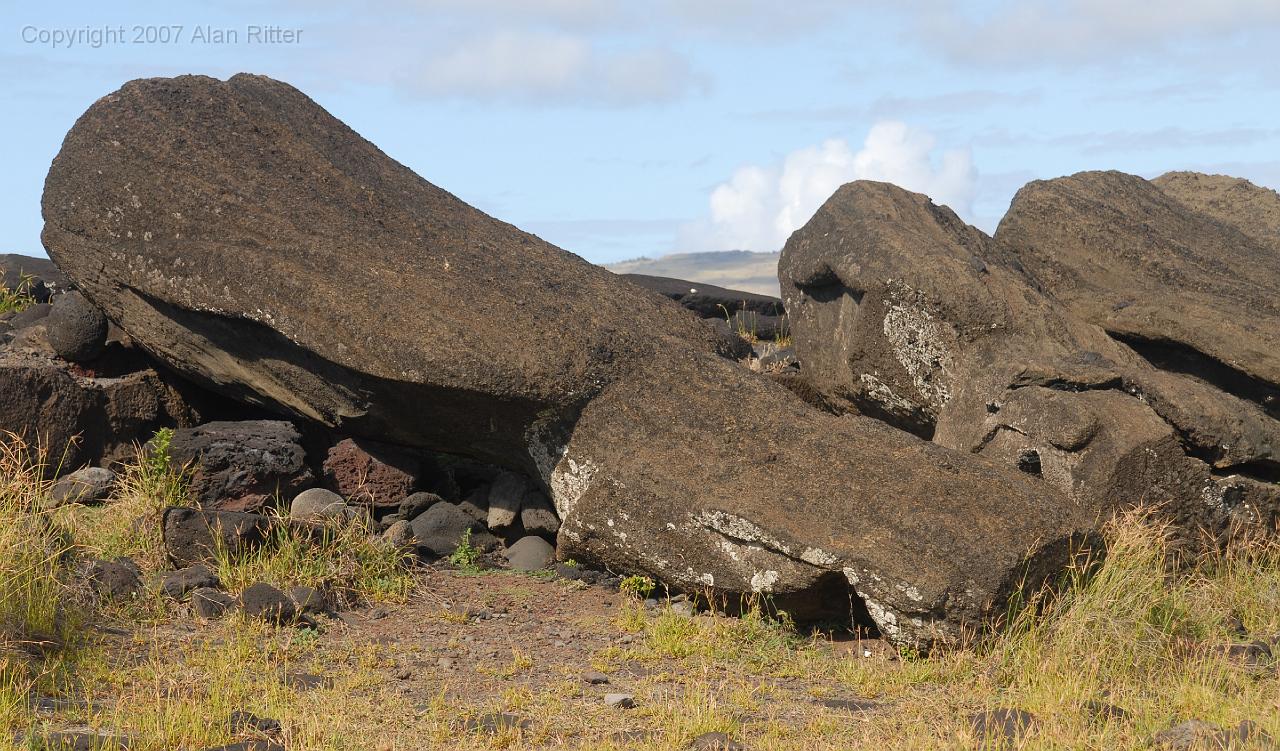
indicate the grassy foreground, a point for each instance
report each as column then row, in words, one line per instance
column 1131, row 637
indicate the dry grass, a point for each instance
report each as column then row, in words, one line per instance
column 18, row 299
column 38, row 618
column 178, row 691
column 1131, row 635
column 130, row 524
column 345, row 560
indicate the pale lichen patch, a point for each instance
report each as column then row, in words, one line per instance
column 920, row 344
column 763, row 581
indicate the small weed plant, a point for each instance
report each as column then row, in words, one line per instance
column 467, row 555
column 637, row 587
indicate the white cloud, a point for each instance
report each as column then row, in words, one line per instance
column 761, row 20
column 575, row 12
column 759, row 207
column 1030, row 31
column 548, row 66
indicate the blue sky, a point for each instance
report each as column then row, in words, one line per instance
column 619, row 129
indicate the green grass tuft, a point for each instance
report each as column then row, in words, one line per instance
column 18, row 299
column 344, row 559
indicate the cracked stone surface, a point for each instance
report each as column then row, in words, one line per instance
column 824, row 514
column 992, row 362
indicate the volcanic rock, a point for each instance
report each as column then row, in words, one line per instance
column 530, row 554
column 194, row 535
column 318, row 505
column 371, row 473
column 399, row 535
column 265, row 602
column 208, row 218
column 1191, row 293
column 903, row 312
column 308, row 600
column 77, row 331
column 1234, row 201
column 184, row 581
column 506, row 495
column 117, row 579
column 88, row 485
column 210, row 604
column 240, row 465
column 30, row 316
column 83, row 418
column 416, row 503
column 537, row 515
column 439, row 530
column 670, row 478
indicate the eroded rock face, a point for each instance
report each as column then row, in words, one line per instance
column 799, row 505
column 371, row 473
column 903, row 312
column 82, row 418
column 1250, row 208
column 242, row 465
column 207, row 218
column 1189, row 292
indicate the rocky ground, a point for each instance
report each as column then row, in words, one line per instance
column 336, row 637
column 491, row 658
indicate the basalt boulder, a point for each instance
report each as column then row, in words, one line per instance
column 195, row 535
column 1191, row 292
column 242, row 465
column 371, row 473
column 822, row 514
column 903, row 312
column 81, row 417
column 77, row 331
column 208, row 219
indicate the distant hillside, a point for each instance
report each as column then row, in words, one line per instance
column 736, row 269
